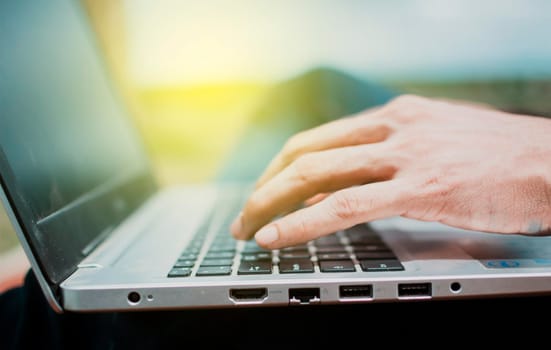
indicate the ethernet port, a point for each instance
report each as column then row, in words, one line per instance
column 304, row 296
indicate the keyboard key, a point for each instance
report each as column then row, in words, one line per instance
column 184, row 263
column 266, row 256
column 254, row 267
column 337, row 266
column 296, row 248
column 187, row 256
column 381, row 265
column 295, row 255
column 327, row 240
column 179, row 272
column 370, row 247
column 194, row 249
column 217, row 262
column 296, row 266
column 222, row 248
column 383, row 254
column 331, row 249
column 333, row 256
column 213, row 271
column 252, row 247
column 219, row 255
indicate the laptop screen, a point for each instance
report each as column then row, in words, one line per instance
column 72, row 164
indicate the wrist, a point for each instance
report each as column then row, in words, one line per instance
column 539, row 155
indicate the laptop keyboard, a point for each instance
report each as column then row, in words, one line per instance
column 213, row 252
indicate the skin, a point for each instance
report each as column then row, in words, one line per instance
column 460, row 164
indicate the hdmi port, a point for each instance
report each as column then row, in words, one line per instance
column 248, row 294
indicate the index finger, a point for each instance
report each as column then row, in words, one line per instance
column 338, row 211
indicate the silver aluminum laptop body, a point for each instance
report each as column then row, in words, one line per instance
column 100, row 235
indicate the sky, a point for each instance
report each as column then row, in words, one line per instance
column 192, row 41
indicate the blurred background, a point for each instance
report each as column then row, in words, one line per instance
column 193, row 71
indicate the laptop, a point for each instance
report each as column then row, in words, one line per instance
column 101, row 235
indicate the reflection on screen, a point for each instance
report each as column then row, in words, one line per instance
column 61, row 129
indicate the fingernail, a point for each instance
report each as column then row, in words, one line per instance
column 237, row 225
column 267, row 235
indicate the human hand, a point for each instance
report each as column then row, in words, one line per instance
column 464, row 165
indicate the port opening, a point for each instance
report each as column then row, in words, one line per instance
column 248, row 294
column 133, row 298
column 304, row 296
column 414, row 290
column 359, row 291
column 455, row 287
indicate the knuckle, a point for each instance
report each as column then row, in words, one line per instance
column 434, row 186
column 303, row 168
column 300, row 229
column 406, row 143
column 406, row 108
column 385, row 130
column 366, row 132
column 345, row 206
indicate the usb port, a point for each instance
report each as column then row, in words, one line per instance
column 414, row 290
column 363, row 291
